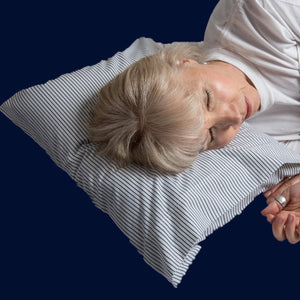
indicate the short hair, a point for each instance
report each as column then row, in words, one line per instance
column 146, row 116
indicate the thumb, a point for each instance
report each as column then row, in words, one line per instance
column 272, row 209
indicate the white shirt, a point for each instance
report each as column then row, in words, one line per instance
column 262, row 39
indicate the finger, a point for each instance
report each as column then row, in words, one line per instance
column 283, row 186
column 272, row 209
column 298, row 233
column 279, row 191
column 270, row 200
column 290, row 229
column 278, row 228
column 270, row 218
column 269, row 192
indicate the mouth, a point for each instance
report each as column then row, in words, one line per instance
column 248, row 108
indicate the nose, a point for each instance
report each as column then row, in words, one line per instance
column 228, row 115
column 225, row 121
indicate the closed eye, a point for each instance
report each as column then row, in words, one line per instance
column 208, row 104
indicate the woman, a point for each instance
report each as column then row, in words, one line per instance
column 165, row 109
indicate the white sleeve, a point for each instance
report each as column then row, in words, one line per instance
column 258, row 31
column 293, row 145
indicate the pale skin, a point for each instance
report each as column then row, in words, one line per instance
column 229, row 98
column 285, row 221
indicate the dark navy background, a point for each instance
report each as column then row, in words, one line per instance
column 54, row 243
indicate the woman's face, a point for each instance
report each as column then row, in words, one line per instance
column 228, row 98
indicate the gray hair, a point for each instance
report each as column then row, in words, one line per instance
column 146, row 116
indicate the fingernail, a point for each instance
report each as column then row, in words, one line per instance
column 291, row 218
column 267, row 194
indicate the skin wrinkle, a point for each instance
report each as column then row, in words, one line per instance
column 227, row 88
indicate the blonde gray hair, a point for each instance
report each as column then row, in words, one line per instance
column 146, row 116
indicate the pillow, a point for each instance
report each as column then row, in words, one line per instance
column 164, row 217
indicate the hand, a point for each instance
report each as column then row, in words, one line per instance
column 285, row 221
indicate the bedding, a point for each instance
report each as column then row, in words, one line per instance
column 164, row 216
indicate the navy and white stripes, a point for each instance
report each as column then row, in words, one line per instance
column 164, row 217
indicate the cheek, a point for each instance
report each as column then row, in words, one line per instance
column 224, row 90
column 223, row 138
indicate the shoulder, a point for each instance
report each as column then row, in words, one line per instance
column 287, row 13
column 256, row 29
column 262, row 16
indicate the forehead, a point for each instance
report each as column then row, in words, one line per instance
column 206, row 74
column 192, row 72
column 194, row 78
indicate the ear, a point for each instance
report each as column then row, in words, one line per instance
column 187, row 61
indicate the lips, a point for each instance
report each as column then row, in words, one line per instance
column 248, row 108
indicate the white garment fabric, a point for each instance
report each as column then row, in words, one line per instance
column 262, row 39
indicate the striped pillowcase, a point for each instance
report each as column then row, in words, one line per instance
column 164, row 217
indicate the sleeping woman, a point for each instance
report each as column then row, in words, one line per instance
column 192, row 97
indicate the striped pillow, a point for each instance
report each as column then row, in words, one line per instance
column 164, row 217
